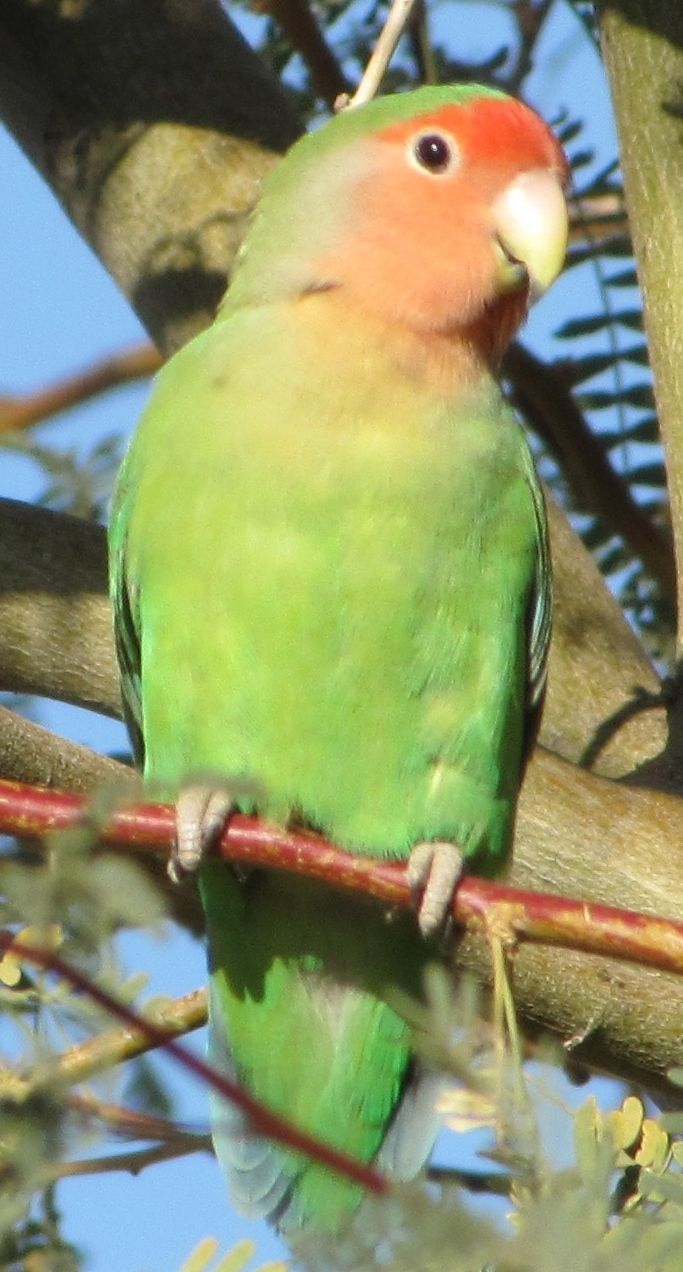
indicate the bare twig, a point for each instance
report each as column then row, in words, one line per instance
column 300, row 26
column 530, row 16
column 114, row 1046
column 132, row 1163
column 421, row 45
column 597, row 218
column 395, row 25
column 514, row 914
column 132, row 1124
column 262, row 1120
column 31, row 408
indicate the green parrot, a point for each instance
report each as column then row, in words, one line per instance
column 332, row 601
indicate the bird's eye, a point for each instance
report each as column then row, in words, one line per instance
column 434, row 152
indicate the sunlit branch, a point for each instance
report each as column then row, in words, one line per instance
column 395, row 25
column 261, row 1120
column 512, row 914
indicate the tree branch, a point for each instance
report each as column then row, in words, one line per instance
column 49, row 760
column 304, row 34
column 642, row 41
column 56, row 635
column 614, row 852
column 548, row 405
column 33, row 408
column 157, row 174
column 174, row 1016
column 385, row 47
column 261, row 1119
column 132, row 1124
column 133, row 1163
column 514, row 915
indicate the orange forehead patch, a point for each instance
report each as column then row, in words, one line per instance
column 490, row 129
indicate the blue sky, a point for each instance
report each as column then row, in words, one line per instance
column 61, row 312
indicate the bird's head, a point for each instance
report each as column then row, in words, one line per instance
column 441, row 210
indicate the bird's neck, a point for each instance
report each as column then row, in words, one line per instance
column 441, row 361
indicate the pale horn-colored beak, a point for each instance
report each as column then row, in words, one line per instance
column 530, row 226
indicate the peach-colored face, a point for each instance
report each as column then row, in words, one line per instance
column 425, row 242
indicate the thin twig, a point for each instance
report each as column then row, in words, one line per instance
column 132, row 1163
column 261, row 1119
column 530, row 15
column 395, row 25
column 305, row 35
column 133, row 364
column 518, row 915
column 175, row 1016
column 133, row 1124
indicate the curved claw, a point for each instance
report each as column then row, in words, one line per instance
column 434, row 871
column 201, row 814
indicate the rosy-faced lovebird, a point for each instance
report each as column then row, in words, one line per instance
column 331, row 588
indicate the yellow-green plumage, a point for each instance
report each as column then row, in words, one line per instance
column 329, row 568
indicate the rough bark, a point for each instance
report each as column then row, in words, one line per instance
column 154, row 124
column 643, row 47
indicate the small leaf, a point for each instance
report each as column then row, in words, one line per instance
column 654, row 1147
column 567, row 132
column 201, row 1256
column 661, row 1187
column 625, row 1123
column 675, row 1075
column 465, row 1110
column 581, row 158
column 625, row 278
column 648, row 475
column 44, row 938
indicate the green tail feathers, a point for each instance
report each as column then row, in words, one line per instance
column 299, row 980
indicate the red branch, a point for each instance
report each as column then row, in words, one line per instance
column 512, row 914
column 261, row 1119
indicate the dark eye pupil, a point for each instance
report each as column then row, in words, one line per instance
column 433, row 152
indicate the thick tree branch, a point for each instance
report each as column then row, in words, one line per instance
column 48, row 760
column 55, row 628
column 154, row 124
column 604, row 706
column 643, row 47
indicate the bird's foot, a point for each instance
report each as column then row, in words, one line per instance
column 201, row 813
column 434, row 871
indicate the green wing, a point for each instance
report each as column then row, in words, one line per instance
column 126, row 622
